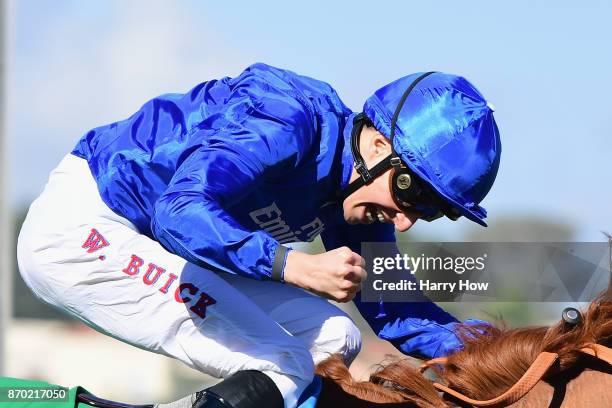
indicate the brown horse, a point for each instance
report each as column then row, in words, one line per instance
column 560, row 366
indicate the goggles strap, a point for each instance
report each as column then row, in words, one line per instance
column 393, row 160
column 400, row 105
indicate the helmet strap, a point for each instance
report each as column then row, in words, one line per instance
column 360, row 165
column 374, row 172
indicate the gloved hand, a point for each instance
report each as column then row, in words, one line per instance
column 424, row 338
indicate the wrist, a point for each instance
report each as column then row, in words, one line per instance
column 295, row 268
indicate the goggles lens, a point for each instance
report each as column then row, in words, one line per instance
column 411, row 194
column 427, row 212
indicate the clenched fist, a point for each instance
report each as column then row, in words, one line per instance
column 335, row 275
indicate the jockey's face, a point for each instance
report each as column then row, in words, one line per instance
column 373, row 202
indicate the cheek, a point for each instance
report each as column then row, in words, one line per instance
column 347, row 207
column 376, row 192
column 359, row 197
column 350, row 206
column 383, row 193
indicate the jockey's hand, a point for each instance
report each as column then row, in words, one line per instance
column 335, row 274
column 426, row 339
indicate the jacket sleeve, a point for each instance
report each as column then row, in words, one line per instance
column 261, row 134
column 383, row 317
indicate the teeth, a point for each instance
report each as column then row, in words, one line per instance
column 369, row 215
column 379, row 215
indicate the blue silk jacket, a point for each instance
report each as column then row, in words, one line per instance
column 227, row 172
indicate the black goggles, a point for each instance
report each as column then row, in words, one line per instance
column 408, row 191
column 412, row 194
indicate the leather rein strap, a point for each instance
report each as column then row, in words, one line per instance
column 531, row 377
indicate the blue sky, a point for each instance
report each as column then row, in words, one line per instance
column 546, row 66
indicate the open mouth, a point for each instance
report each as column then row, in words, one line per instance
column 373, row 213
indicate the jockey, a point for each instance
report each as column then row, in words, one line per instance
column 168, row 230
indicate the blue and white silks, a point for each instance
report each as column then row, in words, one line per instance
column 225, row 173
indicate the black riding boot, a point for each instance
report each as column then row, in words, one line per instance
column 244, row 389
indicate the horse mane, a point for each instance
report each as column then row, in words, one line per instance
column 398, row 384
column 494, row 359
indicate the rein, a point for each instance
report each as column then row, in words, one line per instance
column 532, row 376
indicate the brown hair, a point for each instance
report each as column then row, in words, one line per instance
column 396, row 385
column 494, row 359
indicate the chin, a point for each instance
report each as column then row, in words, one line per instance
column 350, row 219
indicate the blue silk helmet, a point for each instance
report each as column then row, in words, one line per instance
column 446, row 145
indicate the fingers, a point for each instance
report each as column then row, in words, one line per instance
column 356, row 274
column 353, row 275
column 352, row 283
column 345, row 296
column 340, row 273
column 354, row 258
